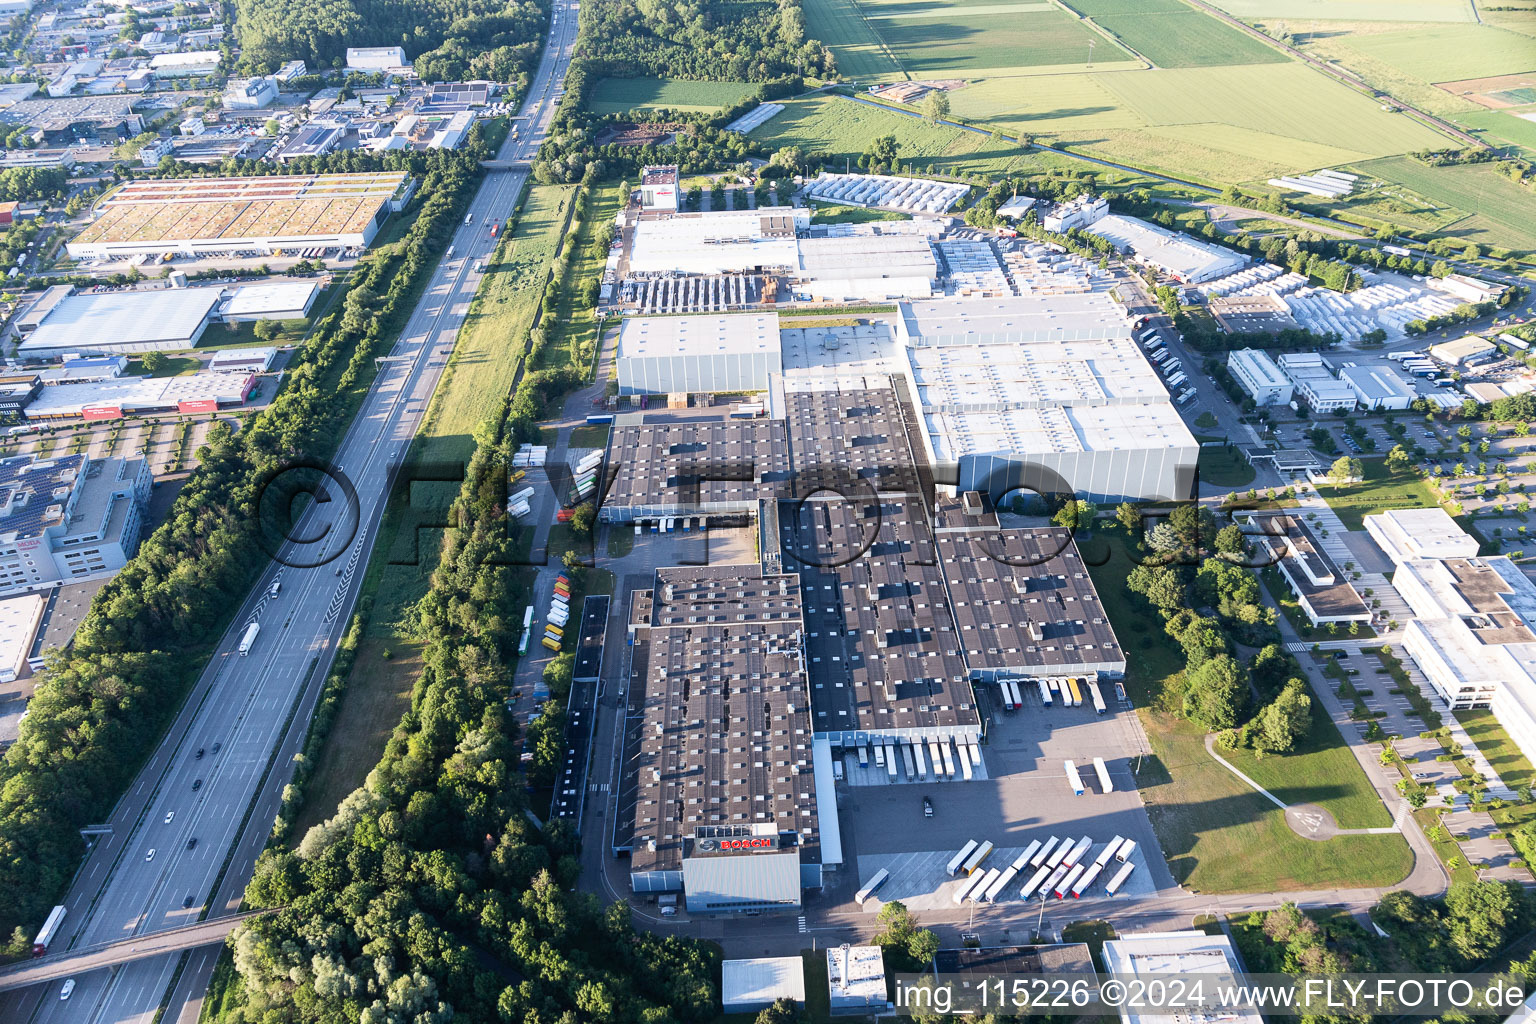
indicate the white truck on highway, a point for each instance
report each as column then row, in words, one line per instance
column 248, row 638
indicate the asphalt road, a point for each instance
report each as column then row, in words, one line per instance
column 255, row 708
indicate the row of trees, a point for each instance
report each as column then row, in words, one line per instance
column 147, row 632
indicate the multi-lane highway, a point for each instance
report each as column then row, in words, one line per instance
column 187, row 833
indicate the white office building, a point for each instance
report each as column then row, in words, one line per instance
column 1315, row 384
column 68, row 519
column 1258, row 375
column 250, row 93
column 1472, row 633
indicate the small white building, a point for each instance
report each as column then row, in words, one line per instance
column 658, row 188
column 376, row 58
column 152, row 152
column 747, row 986
column 272, row 300
column 1467, row 289
column 1076, row 213
column 856, row 979
column 1259, row 375
column 250, row 93
column 1468, row 351
column 1160, row 954
column 1408, row 533
column 1377, row 387
column 289, row 71
column 192, row 64
column 192, row 126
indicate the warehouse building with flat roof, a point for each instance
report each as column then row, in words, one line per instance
column 1160, row 955
column 693, row 467
column 116, row 323
column 1046, row 394
column 728, row 352
column 1025, row 605
column 880, row 632
column 273, row 300
column 1468, row 351
column 722, row 242
column 1183, row 258
column 215, row 216
column 717, row 794
column 141, row 396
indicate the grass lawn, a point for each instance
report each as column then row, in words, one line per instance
column 1321, row 771
column 590, row 435
column 1379, row 491
column 571, row 340
column 853, row 215
column 243, row 335
column 621, row 540
column 175, row 366
column 1225, row 467
column 485, row 359
column 378, row 693
column 1502, row 753
column 1221, row 836
column 1448, row 53
column 621, row 95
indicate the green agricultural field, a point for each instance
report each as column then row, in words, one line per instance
column 1500, row 127
column 621, row 95
column 963, row 38
column 1278, row 100
column 1349, row 10
column 1188, row 39
column 1449, row 53
column 861, row 55
column 1499, row 210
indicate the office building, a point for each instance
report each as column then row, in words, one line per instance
column 1259, row 375
column 1377, row 387
column 1159, row 955
column 856, row 980
column 658, row 188
column 1315, row 384
column 68, row 519
column 1321, row 588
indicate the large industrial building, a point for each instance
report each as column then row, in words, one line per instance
column 1177, row 255
column 717, row 243
column 718, row 792
column 68, row 519
column 62, row 322
column 213, row 216
column 1473, row 633
column 1159, row 957
column 724, row 353
column 1046, row 394
column 141, row 396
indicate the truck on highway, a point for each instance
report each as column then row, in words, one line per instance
column 50, row 929
column 248, row 638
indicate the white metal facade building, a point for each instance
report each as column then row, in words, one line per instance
column 1260, row 376
column 732, row 352
column 1045, row 393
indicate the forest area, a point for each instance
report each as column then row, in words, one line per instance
column 498, row 40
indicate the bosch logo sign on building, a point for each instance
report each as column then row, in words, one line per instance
column 743, row 844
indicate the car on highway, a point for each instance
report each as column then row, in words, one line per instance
column 186, row 903
column 149, row 856
column 68, row 989
column 192, row 843
column 197, row 784
column 216, row 747
column 200, row 753
column 169, row 816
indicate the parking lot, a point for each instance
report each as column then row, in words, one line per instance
column 1023, row 797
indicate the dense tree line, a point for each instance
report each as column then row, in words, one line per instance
column 23, row 184
column 716, row 40
column 99, row 706
column 498, row 40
